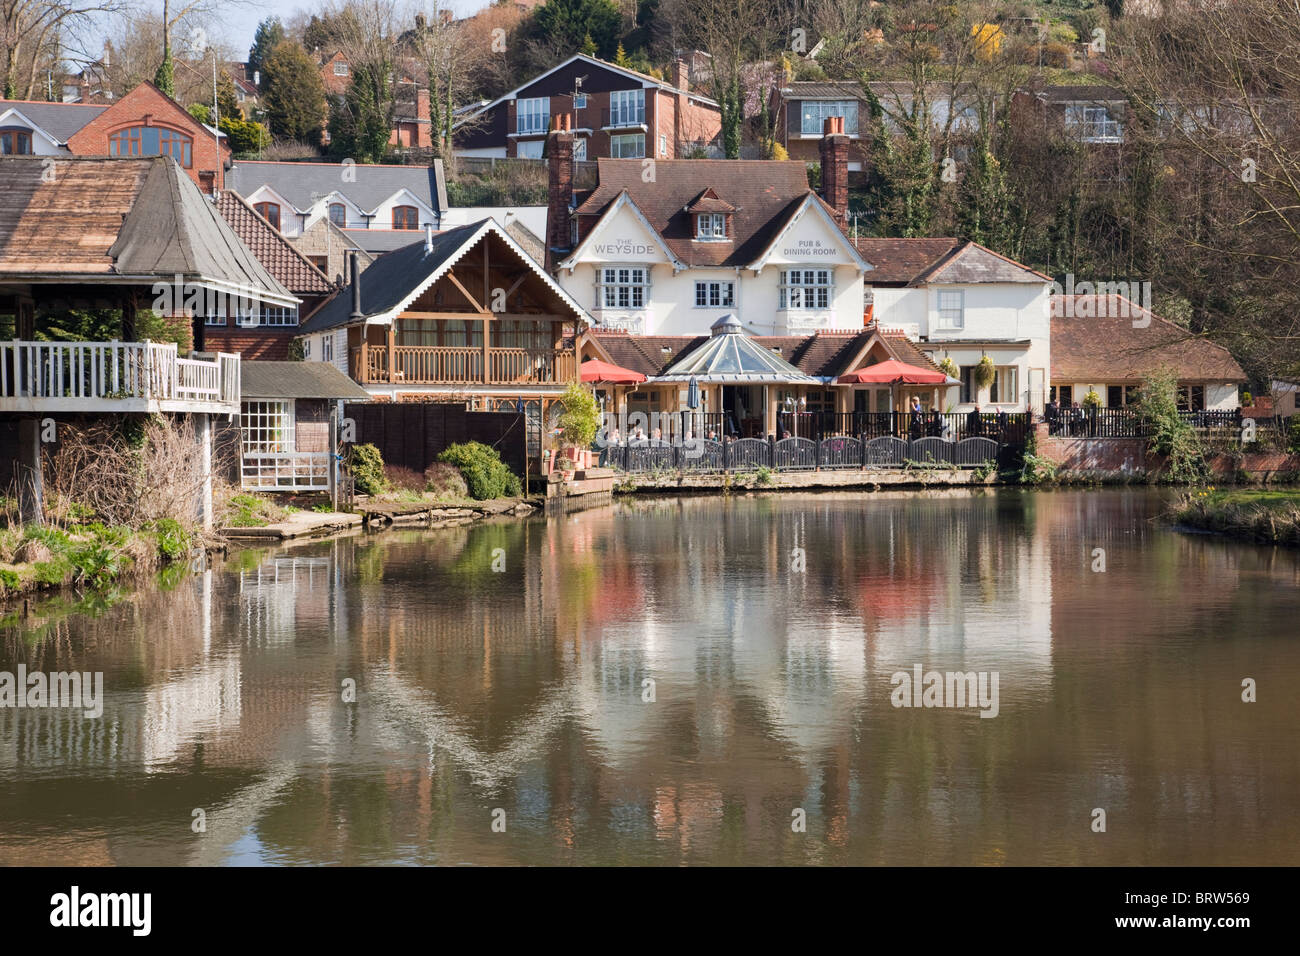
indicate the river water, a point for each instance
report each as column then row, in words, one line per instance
column 686, row 680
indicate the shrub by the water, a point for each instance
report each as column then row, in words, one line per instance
column 367, row 466
column 445, row 481
column 485, row 474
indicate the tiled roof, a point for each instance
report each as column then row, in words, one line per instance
column 916, row 261
column 383, row 240
column 272, row 249
column 1082, row 93
column 1089, row 348
column 60, row 120
column 297, row 380
column 365, row 184
column 764, row 193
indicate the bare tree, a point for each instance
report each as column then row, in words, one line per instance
column 33, row 32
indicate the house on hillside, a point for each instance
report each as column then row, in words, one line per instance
column 118, row 236
column 264, row 333
column 379, row 207
column 616, row 112
column 464, row 315
column 145, row 122
column 1108, row 345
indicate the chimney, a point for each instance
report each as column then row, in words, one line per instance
column 355, row 269
column 559, row 165
column 681, row 75
column 835, row 168
column 428, row 238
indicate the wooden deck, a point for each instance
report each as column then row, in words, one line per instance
column 114, row 377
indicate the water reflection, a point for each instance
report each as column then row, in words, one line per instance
column 666, row 681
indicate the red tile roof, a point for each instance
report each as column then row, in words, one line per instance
column 1109, row 348
column 272, row 249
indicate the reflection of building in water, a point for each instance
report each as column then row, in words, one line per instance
column 205, row 700
column 284, row 592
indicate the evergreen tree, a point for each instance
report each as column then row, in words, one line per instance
column 269, row 35
column 165, row 78
column 295, row 95
column 360, row 121
column 570, row 22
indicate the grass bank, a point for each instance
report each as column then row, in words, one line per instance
column 1270, row 515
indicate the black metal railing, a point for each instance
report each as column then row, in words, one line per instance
column 1125, row 422
column 1008, row 428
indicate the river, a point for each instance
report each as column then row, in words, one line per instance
column 683, row 680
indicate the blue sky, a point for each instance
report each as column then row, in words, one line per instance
column 241, row 20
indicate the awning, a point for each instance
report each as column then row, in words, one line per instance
column 606, row 373
column 894, row 372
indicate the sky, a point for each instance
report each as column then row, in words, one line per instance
column 241, row 20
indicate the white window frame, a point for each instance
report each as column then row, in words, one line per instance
column 579, row 101
column 627, row 108
column 532, row 149
column 342, row 68
column 814, row 113
column 806, row 290
column 663, row 145
column 327, row 347
column 618, row 143
column 1005, row 378
column 579, row 149
column 949, row 317
column 715, row 294
column 306, row 349
column 711, row 226
column 532, row 114
column 625, row 288
column 267, row 427
column 1093, row 122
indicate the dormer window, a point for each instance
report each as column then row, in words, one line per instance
column 269, row 211
column 710, row 226
column 15, row 142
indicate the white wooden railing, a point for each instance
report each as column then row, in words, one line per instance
column 86, row 375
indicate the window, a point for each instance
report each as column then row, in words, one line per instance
column 1191, row 398
column 1063, row 395
column 406, row 217
column 627, row 107
column 532, row 149
column 715, row 295
column 579, row 148
column 152, row 141
column 341, row 68
column 806, row 289
column 1005, row 389
column 15, row 142
column 951, row 310
column 306, row 350
column 320, row 262
column 267, row 427
column 627, row 146
column 338, row 214
column 278, row 315
column 579, row 101
column 1093, row 123
column 663, row 145
column 816, row 112
column 711, row 226
column 214, row 320
column 533, row 115
column 624, row 288
column 270, row 212
column 327, row 347
column 970, row 392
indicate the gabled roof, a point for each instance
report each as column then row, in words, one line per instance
column 1089, row 347
column 622, row 201
column 708, row 201
column 765, row 193
column 814, row 203
column 397, row 278
column 271, row 248
column 98, row 218
column 915, row 262
column 643, row 78
column 732, row 355
column 58, row 120
column 368, row 186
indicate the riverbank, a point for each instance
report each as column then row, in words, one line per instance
column 94, row 556
column 1266, row 515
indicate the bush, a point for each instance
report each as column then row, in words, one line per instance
column 1171, row 435
column 445, row 481
column 581, row 417
column 485, row 474
column 1293, row 442
column 402, row 478
column 367, row 467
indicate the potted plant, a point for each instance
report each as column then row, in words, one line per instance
column 1092, row 401
column 949, row 367
column 985, row 372
column 579, row 423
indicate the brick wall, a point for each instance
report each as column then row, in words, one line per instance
column 146, row 105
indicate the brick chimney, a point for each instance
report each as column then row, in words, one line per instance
column 559, row 165
column 835, row 167
column 681, row 75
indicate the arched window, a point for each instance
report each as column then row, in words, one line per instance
column 270, row 212
column 338, row 214
column 152, row 141
column 15, row 142
column 406, row 217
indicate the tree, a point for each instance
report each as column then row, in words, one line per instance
column 35, row 33
column 360, row 124
column 295, row 95
column 570, row 22
column 269, row 35
column 228, row 97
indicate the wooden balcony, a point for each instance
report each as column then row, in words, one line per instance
column 145, row 377
column 438, row 365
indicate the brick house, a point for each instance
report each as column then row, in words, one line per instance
column 148, row 122
column 616, row 112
